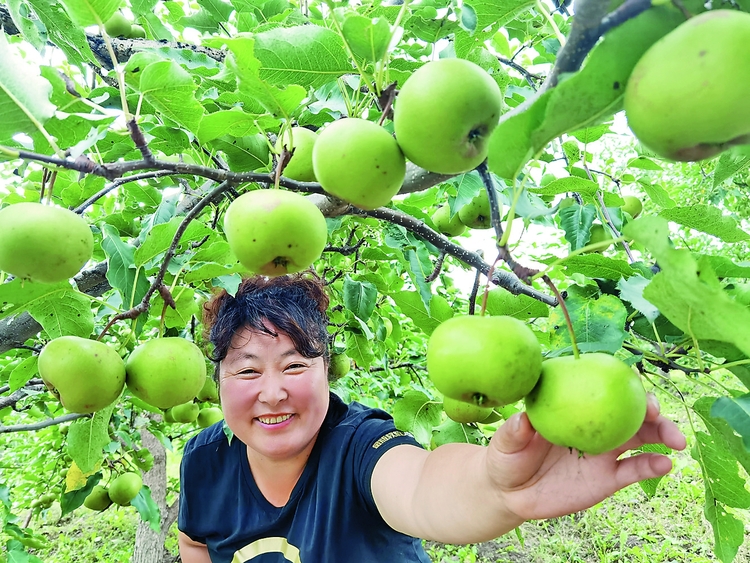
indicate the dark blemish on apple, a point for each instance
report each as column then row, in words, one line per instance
column 616, row 85
column 702, row 53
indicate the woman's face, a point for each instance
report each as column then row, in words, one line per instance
column 274, row 399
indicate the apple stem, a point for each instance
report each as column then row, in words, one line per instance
column 564, row 309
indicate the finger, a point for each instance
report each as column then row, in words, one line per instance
column 660, row 431
column 514, row 435
column 652, row 407
column 640, row 467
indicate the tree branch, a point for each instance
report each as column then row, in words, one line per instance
column 40, row 425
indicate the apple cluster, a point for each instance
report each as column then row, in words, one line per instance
column 437, row 126
column 120, row 26
column 121, row 491
column 593, row 402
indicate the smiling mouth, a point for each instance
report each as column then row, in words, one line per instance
column 274, row 419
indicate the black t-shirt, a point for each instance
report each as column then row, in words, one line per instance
column 331, row 515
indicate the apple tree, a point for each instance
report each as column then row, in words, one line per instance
column 390, row 139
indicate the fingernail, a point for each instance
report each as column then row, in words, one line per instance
column 516, row 424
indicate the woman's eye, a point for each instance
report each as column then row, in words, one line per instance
column 296, row 366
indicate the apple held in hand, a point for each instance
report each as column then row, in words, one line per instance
column 444, row 115
column 487, row 361
column 87, row 375
column 275, row 232
column 686, row 98
column 166, row 372
column 360, row 162
column 300, row 166
column 43, row 243
column 445, row 224
column 459, row 411
column 594, row 403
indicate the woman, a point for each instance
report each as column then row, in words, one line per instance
column 303, row 477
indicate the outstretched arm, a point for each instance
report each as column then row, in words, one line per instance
column 461, row 493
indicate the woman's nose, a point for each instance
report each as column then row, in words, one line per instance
column 273, row 390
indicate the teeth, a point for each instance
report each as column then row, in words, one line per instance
column 274, row 419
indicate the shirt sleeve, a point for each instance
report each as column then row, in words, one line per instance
column 372, row 439
column 187, row 476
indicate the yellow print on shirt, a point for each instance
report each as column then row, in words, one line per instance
column 267, row 545
column 383, row 439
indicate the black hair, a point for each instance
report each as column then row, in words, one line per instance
column 293, row 304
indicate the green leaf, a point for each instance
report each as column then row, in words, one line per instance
column 235, row 123
column 411, row 304
column 451, row 432
column 359, row 347
column 24, row 95
column 367, row 38
column 147, row 508
column 728, row 165
column 657, row 194
column 67, row 36
column 87, row 438
column 26, row 25
column 187, row 307
column 500, row 301
column 17, row 295
column 576, row 221
column 571, row 184
column 417, row 414
column 631, row 290
column 171, row 90
column 595, row 266
column 599, row 324
column 468, row 18
column 722, row 432
column 650, row 486
column 724, row 267
column 243, row 63
column 360, row 297
column 59, row 317
column 91, row 12
column 23, row 372
column 160, row 237
column 643, row 163
column 121, row 272
column 73, row 499
column 308, row 55
column 736, row 411
column 683, row 293
column 708, row 219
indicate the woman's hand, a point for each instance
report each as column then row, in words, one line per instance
column 535, row 479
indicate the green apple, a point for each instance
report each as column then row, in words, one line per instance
column 487, row 361
column 98, row 499
column 275, row 232
column 118, row 26
column 599, row 234
column 300, row 166
column 168, row 415
column 125, row 488
column 445, row 224
column 186, row 412
column 476, row 213
column 339, row 366
column 444, row 115
column 459, row 411
column 143, row 459
column 87, row 375
column 210, row 416
column 360, row 162
column 165, row 372
column 686, row 98
column 632, row 206
column 137, row 32
column 209, row 392
column 43, row 243
column 594, row 403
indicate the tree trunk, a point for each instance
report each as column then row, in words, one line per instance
column 149, row 545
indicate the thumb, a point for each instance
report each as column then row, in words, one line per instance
column 514, row 435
